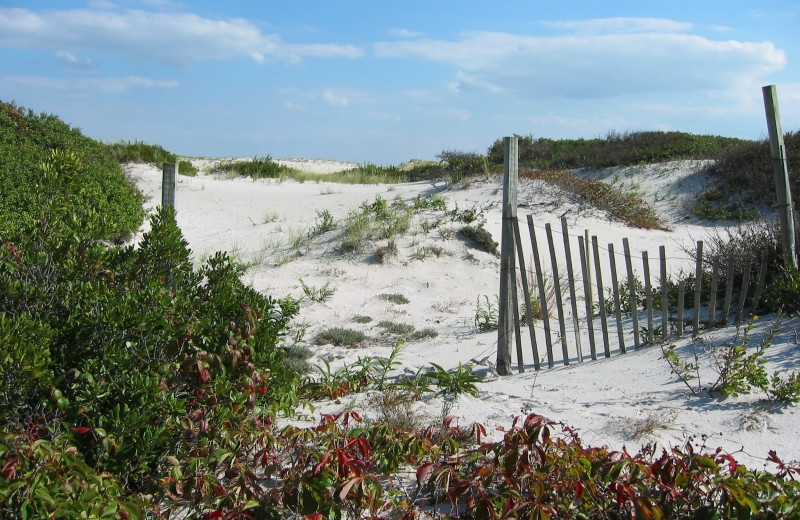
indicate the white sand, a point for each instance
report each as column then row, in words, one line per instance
column 609, row 400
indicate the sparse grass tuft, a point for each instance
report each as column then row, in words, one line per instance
column 339, row 336
column 396, row 298
column 397, row 328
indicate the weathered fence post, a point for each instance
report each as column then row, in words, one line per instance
column 600, row 303
column 169, row 180
column 662, row 256
column 562, row 330
column 571, row 279
column 615, row 291
column 698, row 289
column 781, row 172
column 548, row 340
column 587, row 284
column 505, row 323
column 632, row 292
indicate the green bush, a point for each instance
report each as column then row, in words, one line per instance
column 783, row 294
column 257, row 168
column 51, row 175
column 480, row 238
column 615, row 149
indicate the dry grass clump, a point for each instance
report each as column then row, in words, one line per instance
column 623, row 206
column 745, row 174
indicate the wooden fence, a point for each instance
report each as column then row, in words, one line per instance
column 587, row 305
column 576, row 313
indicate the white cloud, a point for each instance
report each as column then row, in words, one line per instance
column 175, row 38
column 115, row 85
column 594, row 65
column 70, row 61
column 621, row 25
column 297, row 107
column 333, row 99
column 404, row 33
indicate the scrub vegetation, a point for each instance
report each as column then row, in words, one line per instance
column 137, row 383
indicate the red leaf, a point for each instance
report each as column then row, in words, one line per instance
column 423, row 472
column 212, row 514
column 80, row 430
column 314, row 516
column 205, row 375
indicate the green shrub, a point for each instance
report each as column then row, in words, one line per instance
column 340, row 336
column 397, row 328
column 615, row 149
column 51, row 175
column 783, row 294
column 257, row 168
column 480, row 238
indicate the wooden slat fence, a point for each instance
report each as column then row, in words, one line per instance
column 606, row 319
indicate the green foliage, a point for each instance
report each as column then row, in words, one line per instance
column 458, row 381
column 318, row 294
column 481, row 238
column 625, row 295
column 783, row 294
column 139, row 152
column 393, row 327
column 324, row 223
column 25, row 369
column 340, row 336
column 485, row 314
column 256, row 168
column 744, row 177
column 616, row 149
column 47, row 478
column 395, row 298
column 53, row 176
column 740, row 368
column 459, row 165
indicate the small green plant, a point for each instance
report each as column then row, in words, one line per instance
column 395, row 298
column 417, row 386
column 480, row 238
column 318, row 294
column 739, row 368
column 427, row 332
column 324, row 223
column 485, row 314
column 397, row 328
column 332, row 384
column 340, row 336
column 784, row 293
column 687, row 371
column 297, row 358
column 361, row 319
column 625, row 299
column 458, row 381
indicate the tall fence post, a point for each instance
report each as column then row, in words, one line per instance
column 505, row 321
column 169, row 180
column 781, row 172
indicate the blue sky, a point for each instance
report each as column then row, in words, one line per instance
column 383, row 82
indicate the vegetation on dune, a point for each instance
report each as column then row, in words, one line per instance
column 136, row 383
column 139, row 152
column 615, row 149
